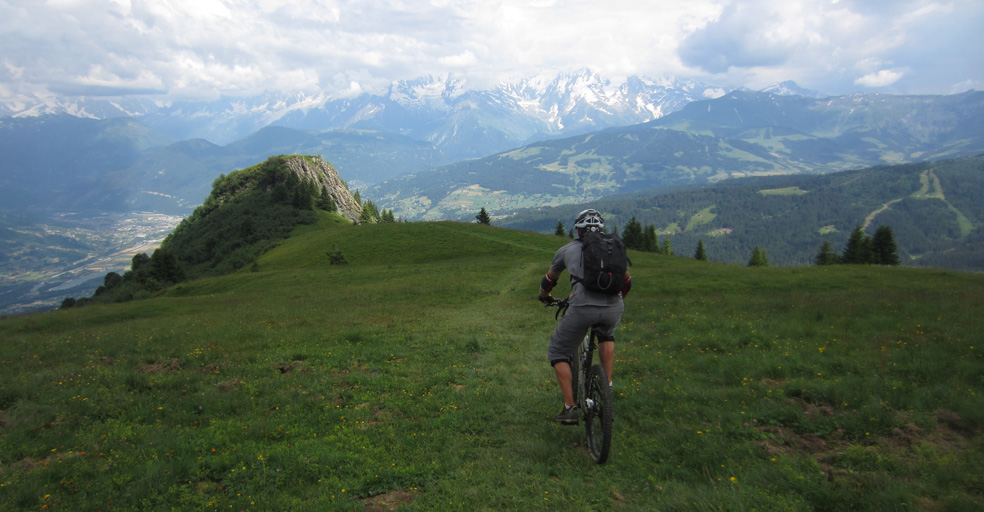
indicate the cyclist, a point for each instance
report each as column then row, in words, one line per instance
column 587, row 309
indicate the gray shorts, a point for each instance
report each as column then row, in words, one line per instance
column 575, row 324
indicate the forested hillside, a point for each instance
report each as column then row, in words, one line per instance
column 933, row 208
column 248, row 212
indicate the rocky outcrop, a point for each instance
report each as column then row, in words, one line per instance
column 320, row 172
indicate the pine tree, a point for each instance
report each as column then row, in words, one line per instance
column 483, row 217
column 667, row 247
column 758, row 258
column 560, row 229
column 826, row 255
column 633, row 236
column 858, row 250
column 884, row 248
column 700, row 255
column 651, row 241
column 336, row 257
column 370, row 214
column 326, row 202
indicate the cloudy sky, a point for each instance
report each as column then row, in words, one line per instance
column 203, row 49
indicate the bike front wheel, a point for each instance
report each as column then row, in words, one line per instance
column 598, row 414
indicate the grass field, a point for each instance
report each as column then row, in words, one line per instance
column 415, row 377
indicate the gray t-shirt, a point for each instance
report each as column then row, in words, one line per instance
column 569, row 257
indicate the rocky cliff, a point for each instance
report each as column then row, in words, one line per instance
column 314, row 169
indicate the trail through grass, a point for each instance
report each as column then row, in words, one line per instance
column 415, row 376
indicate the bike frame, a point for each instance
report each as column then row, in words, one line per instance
column 584, row 355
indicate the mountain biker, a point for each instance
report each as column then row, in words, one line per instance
column 587, row 309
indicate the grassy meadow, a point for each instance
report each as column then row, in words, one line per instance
column 414, row 377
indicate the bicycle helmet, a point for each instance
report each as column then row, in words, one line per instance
column 589, row 220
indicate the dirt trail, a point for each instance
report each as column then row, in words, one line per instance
column 931, row 189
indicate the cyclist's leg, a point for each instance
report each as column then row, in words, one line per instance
column 562, row 369
column 606, row 352
column 563, row 344
column 608, row 321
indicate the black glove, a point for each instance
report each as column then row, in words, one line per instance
column 546, row 300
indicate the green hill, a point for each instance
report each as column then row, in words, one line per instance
column 933, row 208
column 415, row 376
column 248, row 212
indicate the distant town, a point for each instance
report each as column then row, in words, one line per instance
column 40, row 276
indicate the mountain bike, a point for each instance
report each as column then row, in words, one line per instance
column 592, row 393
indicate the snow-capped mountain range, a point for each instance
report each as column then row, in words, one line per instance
column 442, row 111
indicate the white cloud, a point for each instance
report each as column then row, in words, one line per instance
column 881, row 78
column 463, row 59
column 714, row 93
column 206, row 48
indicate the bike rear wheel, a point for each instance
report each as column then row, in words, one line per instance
column 598, row 414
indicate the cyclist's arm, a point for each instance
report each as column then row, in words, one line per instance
column 547, row 283
column 627, row 284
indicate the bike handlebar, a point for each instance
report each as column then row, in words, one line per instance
column 560, row 304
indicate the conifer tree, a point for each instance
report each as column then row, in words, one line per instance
column 883, row 247
column 758, row 258
column 370, row 214
column 560, row 229
column 336, row 257
column 667, row 247
column 651, row 241
column 483, row 217
column 858, row 250
column 633, row 237
column 326, row 202
column 700, row 255
column 826, row 255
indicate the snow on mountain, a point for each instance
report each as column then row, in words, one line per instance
column 791, row 88
column 427, row 92
column 462, row 123
column 85, row 108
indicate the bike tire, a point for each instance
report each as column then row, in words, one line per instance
column 599, row 417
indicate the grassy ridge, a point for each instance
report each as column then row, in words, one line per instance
column 416, row 375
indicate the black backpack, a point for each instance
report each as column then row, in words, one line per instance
column 605, row 263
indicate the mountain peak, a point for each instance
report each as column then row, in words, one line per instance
column 437, row 109
column 790, row 88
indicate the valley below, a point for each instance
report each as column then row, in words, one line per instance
column 49, row 257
